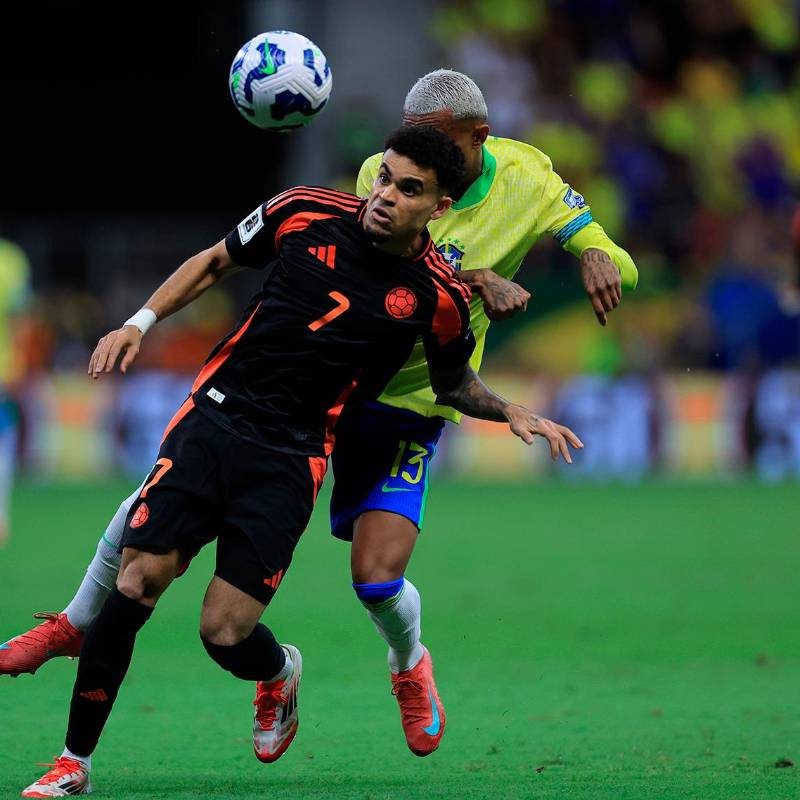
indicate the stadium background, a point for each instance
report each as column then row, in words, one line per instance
column 643, row 603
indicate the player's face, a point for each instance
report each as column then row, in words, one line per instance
column 404, row 198
column 468, row 134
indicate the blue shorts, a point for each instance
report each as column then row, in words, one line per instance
column 380, row 463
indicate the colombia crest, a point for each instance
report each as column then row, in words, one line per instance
column 401, row 302
column 141, row 516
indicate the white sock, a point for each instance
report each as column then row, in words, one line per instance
column 286, row 672
column 398, row 621
column 85, row 760
column 101, row 574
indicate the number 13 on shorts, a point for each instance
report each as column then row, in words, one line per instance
column 414, row 467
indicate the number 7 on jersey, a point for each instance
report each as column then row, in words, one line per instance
column 342, row 304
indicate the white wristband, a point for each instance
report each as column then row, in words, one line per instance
column 143, row 319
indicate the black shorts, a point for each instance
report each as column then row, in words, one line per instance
column 209, row 484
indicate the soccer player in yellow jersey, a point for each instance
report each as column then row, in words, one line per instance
column 510, row 199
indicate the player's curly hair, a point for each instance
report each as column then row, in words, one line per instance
column 430, row 149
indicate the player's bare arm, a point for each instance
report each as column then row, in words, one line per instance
column 602, row 282
column 187, row 283
column 501, row 297
column 462, row 388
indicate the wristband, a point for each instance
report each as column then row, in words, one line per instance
column 143, row 319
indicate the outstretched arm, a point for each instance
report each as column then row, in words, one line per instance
column 461, row 388
column 186, row 284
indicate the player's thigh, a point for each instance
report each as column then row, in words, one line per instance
column 271, row 497
column 177, row 507
column 382, row 546
column 382, row 467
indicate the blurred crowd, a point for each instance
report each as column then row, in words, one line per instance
column 680, row 123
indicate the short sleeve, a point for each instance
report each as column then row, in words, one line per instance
column 249, row 244
column 257, row 239
column 563, row 212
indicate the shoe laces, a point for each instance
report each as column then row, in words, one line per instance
column 410, row 691
column 37, row 634
column 268, row 700
column 61, row 767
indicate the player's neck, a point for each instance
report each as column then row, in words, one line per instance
column 403, row 247
column 470, row 177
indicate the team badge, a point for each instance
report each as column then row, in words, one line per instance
column 401, row 302
column 141, row 516
column 452, row 250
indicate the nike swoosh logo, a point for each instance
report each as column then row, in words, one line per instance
column 5, row 646
column 387, row 488
column 433, row 728
column 269, row 65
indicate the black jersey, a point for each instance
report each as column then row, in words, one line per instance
column 334, row 321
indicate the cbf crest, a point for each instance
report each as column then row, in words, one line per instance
column 452, row 250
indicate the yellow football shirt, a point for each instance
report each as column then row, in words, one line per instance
column 515, row 200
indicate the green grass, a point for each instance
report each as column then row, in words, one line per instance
column 590, row 642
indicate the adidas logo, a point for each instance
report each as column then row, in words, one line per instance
column 275, row 580
column 98, row 695
column 325, row 253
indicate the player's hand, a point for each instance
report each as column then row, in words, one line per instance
column 124, row 341
column 501, row 298
column 602, row 282
column 526, row 425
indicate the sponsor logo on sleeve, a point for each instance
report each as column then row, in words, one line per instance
column 573, row 199
column 250, row 226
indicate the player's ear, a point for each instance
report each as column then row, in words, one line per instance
column 479, row 134
column 442, row 206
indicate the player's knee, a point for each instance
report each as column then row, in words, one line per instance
column 371, row 570
column 219, row 628
column 137, row 585
column 142, row 581
column 374, row 593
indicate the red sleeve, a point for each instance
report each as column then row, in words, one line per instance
column 450, row 341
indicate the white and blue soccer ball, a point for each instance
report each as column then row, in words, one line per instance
column 280, row 80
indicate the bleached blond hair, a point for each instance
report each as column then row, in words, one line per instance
column 446, row 90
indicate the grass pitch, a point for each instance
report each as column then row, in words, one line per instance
column 589, row 641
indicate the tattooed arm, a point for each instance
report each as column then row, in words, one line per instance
column 602, row 281
column 461, row 388
column 501, row 298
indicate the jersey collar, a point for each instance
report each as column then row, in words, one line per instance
column 427, row 245
column 479, row 188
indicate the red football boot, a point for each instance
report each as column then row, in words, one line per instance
column 275, row 719
column 28, row 651
column 421, row 710
column 65, row 778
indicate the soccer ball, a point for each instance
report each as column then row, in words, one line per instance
column 280, row 80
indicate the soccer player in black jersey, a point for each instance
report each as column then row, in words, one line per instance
column 353, row 284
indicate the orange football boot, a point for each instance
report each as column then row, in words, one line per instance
column 421, row 710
